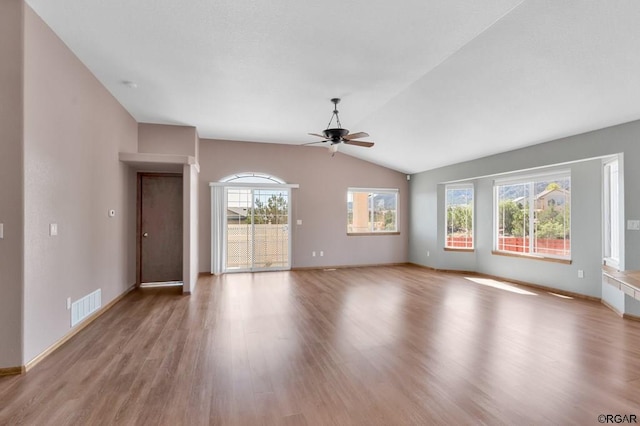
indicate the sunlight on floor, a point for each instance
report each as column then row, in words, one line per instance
column 500, row 285
column 561, row 296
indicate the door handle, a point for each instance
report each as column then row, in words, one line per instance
column 146, row 234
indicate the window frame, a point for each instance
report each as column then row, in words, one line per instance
column 370, row 192
column 458, row 186
column 612, row 214
column 531, row 180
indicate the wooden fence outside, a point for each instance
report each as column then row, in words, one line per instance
column 268, row 247
column 552, row 246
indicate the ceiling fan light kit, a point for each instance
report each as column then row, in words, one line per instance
column 338, row 135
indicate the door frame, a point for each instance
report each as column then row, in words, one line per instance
column 252, row 268
column 139, row 177
column 218, row 222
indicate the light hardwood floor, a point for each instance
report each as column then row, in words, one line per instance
column 370, row 346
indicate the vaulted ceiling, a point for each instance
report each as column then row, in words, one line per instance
column 434, row 82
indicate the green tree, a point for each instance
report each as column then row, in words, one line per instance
column 273, row 212
column 510, row 216
column 553, row 185
column 389, row 220
column 521, row 221
column 553, row 223
column 459, row 219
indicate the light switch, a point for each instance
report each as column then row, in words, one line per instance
column 53, row 229
column 1, row 231
column 633, row 225
column 299, row 221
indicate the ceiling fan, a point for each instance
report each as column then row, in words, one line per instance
column 338, row 135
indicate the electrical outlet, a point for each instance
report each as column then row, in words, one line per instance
column 68, row 303
column 313, row 254
column 53, row 229
column 321, row 253
column 428, row 254
column 580, row 273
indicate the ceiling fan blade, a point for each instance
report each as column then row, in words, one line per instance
column 315, row 134
column 357, row 135
column 359, row 143
column 312, row 143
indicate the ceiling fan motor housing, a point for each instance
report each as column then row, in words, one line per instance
column 335, row 135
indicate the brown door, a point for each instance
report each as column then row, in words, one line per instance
column 160, row 230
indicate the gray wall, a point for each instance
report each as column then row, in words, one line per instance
column 11, row 182
column 73, row 131
column 427, row 210
column 320, row 202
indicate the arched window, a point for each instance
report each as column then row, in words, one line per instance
column 252, row 177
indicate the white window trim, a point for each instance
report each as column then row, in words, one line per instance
column 521, row 179
column 254, row 185
column 395, row 191
column 260, row 176
column 390, row 190
column 518, row 179
column 616, row 263
column 473, row 214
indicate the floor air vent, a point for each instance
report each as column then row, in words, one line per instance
column 85, row 306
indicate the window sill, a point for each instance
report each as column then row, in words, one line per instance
column 531, row 256
column 461, row 249
column 611, row 263
column 355, row 234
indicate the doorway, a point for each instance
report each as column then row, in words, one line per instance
column 256, row 232
column 251, row 223
column 160, row 231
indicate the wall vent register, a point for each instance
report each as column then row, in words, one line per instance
column 85, row 306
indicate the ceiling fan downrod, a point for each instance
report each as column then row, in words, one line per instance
column 335, row 101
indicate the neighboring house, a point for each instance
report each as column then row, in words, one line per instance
column 548, row 198
column 236, row 214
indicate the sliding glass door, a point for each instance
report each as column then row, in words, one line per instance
column 256, row 236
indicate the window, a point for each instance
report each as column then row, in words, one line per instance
column 252, row 177
column 459, row 216
column 611, row 213
column 533, row 216
column 372, row 211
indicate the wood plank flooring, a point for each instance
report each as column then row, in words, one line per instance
column 363, row 346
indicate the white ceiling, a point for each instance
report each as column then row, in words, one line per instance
column 434, row 82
